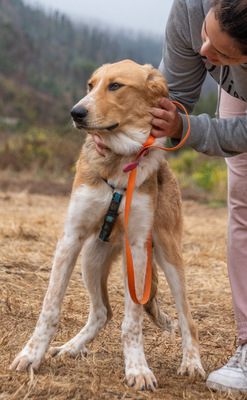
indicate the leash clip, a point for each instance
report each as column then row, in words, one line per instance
column 134, row 164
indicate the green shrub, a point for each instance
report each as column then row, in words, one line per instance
column 206, row 173
column 41, row 151
column 184, row 161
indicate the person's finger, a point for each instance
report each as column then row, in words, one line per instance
column 160, row 123
column 159, row 113
column 100, row 150
column 156, row 132
column 166, row 104
column 99, row 141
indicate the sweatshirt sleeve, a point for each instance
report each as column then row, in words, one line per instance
column 181, row 64
column 226, row 138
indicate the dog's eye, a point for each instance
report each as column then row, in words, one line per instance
column 90, row 87
column 115, row 86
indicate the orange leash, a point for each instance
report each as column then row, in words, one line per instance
column 129, row 193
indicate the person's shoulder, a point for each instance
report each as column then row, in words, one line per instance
column 185, row 22
column 189, row 3
column 194, row 3
column 191, row 8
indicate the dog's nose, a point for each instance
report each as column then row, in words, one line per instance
column 78, row 112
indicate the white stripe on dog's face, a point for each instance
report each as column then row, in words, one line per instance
column 89, row 101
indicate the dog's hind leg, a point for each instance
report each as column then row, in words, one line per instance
column 169, row 257
column 97, row 258
column 152, row 308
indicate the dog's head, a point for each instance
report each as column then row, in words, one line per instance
column 118, row 103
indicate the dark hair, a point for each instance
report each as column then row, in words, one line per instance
column 232, row 17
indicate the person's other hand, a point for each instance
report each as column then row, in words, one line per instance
column 167, row 120
column 100, row 145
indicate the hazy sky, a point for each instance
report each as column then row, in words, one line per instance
column 136, row 15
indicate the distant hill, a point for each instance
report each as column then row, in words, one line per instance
column 47, row 55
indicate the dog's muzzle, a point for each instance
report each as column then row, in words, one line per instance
column 79, row 114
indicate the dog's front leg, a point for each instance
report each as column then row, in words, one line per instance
column 66, row 254
column 36, row 347
column 137, row 372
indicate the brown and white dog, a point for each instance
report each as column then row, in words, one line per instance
column 117, row 107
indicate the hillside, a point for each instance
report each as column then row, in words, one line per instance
column 23, row 105
column 48, row 54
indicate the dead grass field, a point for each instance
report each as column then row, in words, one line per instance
column 30, row 225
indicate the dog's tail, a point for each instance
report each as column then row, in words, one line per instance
column 152, row 308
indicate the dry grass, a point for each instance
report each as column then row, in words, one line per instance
column 29, row 227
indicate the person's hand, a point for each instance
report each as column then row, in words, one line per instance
column 100, row 145
column 167, row 120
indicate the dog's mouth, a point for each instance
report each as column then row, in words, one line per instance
column 81, row 125
column 112, row 127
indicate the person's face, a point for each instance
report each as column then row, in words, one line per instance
column 218, row 47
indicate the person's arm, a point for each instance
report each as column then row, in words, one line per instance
column 226, row 138
column 181, row 64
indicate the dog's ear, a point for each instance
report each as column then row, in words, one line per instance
column 156, row 83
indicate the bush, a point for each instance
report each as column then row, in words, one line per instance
column 41, row 151
column 196, row 170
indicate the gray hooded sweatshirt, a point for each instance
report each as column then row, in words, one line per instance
column 185, row 71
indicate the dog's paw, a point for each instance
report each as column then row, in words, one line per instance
column 191, row 363
column 70, row 350
column 141, row 379
column 191, row 367
column 24, row 361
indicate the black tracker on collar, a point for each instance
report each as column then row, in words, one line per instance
column 110, row 217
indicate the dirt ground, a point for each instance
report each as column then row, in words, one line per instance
column 30, row 225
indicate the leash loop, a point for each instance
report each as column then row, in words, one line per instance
column 132, row 169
